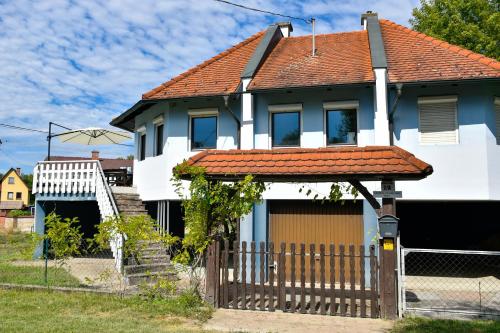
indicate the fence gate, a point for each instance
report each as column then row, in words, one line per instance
column 327, row 280
column 454, row 281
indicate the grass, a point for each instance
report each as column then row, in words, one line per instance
column 19, row 246
column 46, row 311
column 427, row 325
column 34, row 275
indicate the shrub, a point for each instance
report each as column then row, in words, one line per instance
column 18, row 213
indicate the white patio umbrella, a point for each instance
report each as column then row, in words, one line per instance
column 94, row 136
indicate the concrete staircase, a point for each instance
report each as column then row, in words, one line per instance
column 128, row 201
column 152, row 262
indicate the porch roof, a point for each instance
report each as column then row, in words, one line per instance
column 372, row 163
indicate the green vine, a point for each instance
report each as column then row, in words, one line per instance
column 212, row 207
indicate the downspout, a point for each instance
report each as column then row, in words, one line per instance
column 399, row 91
column 238, row 122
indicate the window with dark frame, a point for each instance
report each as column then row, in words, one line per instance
column 19, row 196
column 341, row 127
column 142, row 146
column 203, row 132
column 285, row 129
column 159, row 140
column 11, row 180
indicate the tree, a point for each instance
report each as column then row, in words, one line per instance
column 472, row 24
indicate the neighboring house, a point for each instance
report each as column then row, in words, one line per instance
column 382, row 85
column 13, row 189
column 14, row 194
column 118, row 171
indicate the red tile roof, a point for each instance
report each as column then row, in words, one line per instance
column 106, row 163
column 216, row 76
column 341, row 58
column 320, row 164
column 413, row 56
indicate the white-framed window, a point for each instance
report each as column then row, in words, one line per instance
column 203, row 128
column 11, row 180
column 141, row 146
column 285, row 125
column 10, row 195
column 341, row 123
column 438, row 122
column 497, row 119
column 159, row 130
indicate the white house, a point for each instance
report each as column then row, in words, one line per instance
column 381, row 85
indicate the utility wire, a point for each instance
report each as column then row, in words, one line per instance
column 23, row 128
column 308, row 21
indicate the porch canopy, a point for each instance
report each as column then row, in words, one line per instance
column 314, row 165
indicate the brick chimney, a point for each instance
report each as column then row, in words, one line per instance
column 95, row 154
column 18, row 170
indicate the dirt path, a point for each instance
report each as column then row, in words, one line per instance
column 256, row 321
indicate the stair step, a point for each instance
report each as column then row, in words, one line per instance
column 147, row 259
column 145, row 268
column 138, row 278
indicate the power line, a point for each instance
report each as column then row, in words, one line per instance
column 308, row 21
column 23, row 128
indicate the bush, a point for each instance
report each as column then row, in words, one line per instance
column 18, row 213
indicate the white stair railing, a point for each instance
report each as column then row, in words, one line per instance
column 79, row 178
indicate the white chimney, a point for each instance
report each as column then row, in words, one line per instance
column 286, row 28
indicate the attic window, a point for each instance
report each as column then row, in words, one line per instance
column 11, row 180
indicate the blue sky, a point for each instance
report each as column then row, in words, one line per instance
column 81, row 63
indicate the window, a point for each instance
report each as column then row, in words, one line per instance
column 497, row 119
column 11, row 180
column 10, row 195
column 341, row 127
column 438, row 120
column 19, row 196
column 158, row 122
column 142, row 146
column 203, row 132
column 285, row 125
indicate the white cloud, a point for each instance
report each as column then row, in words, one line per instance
column 80, row 63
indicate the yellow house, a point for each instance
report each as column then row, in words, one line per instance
column 13, row 188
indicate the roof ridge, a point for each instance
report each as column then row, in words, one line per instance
column 490, row 62
column 329, row 34
column 203, row 64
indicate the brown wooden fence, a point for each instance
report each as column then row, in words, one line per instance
column 337, row 281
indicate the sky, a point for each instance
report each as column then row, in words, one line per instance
column 82, row 63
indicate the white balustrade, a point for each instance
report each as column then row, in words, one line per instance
column 79, row 178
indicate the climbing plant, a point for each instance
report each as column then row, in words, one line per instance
column 212, row 207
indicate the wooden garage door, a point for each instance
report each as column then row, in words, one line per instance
column 304, row 221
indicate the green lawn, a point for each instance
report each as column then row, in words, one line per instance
column 426, row 325
column 46, row 311
column 18, row 246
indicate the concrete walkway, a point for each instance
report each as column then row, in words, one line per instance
column 256, row 321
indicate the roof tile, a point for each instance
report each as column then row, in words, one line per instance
column 343, row 162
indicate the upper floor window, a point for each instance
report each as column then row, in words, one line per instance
column 142, row 143
column 19, row 196
column 158, row 122
column 10, row 195
column 438, row 120
column 203, row 128
column 341, row 123
column 285, row 125
column 11, row 180
column 497, row 119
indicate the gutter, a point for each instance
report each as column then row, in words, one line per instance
column 399, row 92
column 236, row 119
